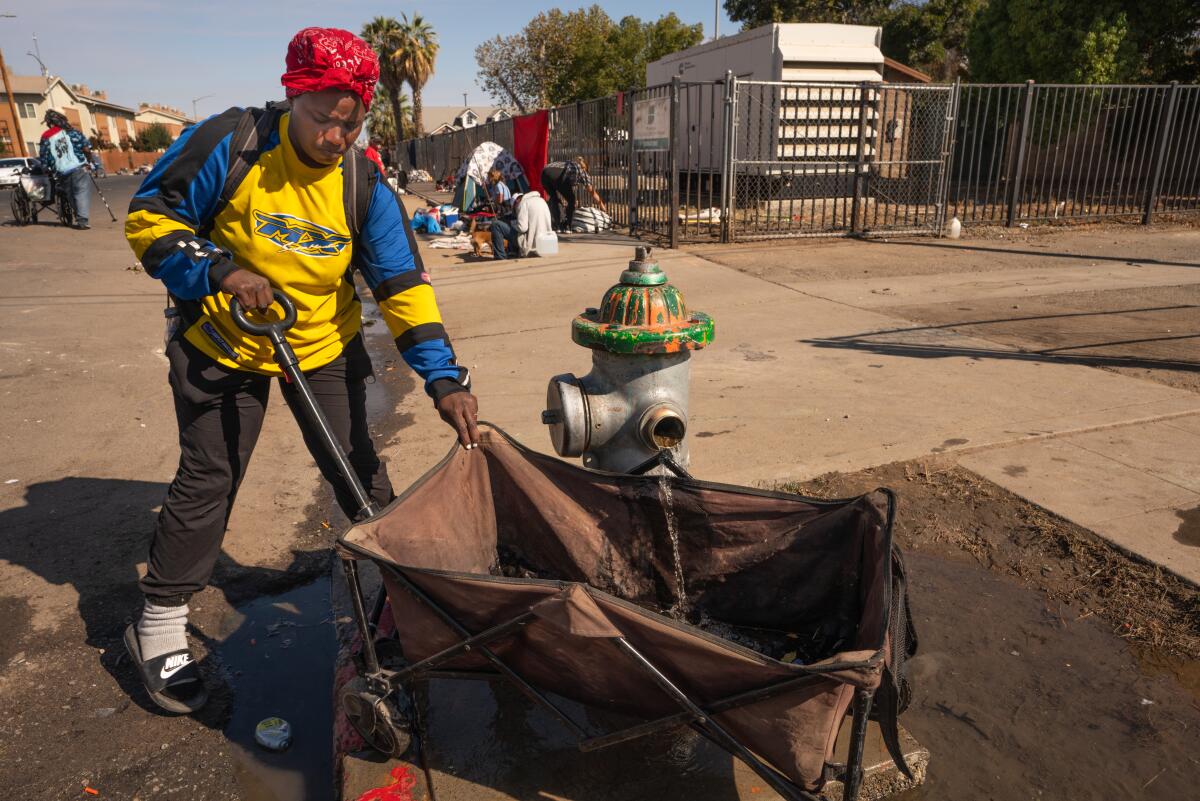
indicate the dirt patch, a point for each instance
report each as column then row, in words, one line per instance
column 1024, row 686
column 949, row 511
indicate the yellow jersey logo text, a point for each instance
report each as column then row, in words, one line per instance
column 296, row 235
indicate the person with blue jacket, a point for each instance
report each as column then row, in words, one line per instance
column 246, row 202
column 65, row 152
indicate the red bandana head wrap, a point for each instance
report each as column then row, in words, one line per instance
column 330, row 58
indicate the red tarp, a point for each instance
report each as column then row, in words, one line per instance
column 531, row 137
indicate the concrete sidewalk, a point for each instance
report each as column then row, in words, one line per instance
column 807, row 377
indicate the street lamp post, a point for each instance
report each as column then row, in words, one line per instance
column 196, row 100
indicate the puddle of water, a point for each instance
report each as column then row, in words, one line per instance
column 279, row 655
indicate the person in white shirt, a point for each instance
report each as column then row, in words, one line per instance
column 517, row 235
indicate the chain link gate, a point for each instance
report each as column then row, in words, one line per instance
column 827, row 159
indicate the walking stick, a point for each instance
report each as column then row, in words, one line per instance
column 96, row 184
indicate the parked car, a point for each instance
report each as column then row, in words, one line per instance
column 10, row 169
column 142, row 170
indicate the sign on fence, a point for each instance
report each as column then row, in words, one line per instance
column 651, row 124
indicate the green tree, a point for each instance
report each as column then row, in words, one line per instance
column 153, row 137
column 381, row 121
column 560, row 57
column 752, row 13
column 632, row 44
column 930, row 36
column 1086, row 41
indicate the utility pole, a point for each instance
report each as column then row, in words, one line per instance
column 464, row 99
column 12, row 109
column 716, row 19
column 12, row 104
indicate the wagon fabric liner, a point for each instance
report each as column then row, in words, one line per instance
column 598, row 545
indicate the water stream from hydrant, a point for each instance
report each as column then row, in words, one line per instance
column 668, row 504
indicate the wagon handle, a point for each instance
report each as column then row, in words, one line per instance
column 265, row 329
column 289, row 365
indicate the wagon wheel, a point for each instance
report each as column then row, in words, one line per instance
column 22, row 210
column 376, row 719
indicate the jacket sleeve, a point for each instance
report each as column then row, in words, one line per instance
column 387, row 256
column 178, row 198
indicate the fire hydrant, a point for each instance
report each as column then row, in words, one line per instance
column 634, row 402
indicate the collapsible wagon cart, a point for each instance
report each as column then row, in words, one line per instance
column 36, row 191
column 762, row 620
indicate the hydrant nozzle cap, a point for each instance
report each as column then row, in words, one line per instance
column 642, row 271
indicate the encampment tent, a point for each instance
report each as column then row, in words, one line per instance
column 470, row 182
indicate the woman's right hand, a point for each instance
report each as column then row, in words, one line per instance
column 251, row 289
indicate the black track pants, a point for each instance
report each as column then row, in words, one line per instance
column 220, row 412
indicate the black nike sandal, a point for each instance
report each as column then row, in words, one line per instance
column 173, row 680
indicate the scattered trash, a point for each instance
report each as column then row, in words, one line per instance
column 91, row 791
column 325, row 524
column 701, row 215
column 273, row 734
column 106, row 711
column 955, row 230
column 1022, row 225
column 1015, row 653
column 1147, row 702
column 12, row 481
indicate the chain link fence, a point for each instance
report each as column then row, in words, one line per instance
column 757, row 159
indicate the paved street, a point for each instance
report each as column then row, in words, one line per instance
column 1060, row 366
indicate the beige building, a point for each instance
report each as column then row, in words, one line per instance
column 172, row 119
column 441, row 119
column 90, row 111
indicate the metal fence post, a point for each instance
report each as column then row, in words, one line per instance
column 949, row 141
column 632, row 180
column 1014, row 187
column 728, row 155
column 856, row 214
column 1164, row 136
column 673, row 163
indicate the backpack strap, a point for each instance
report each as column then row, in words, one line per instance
column 253, row 129
column 359, row 175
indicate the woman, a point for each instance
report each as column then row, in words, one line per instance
column 559, row 179
column 498, row 192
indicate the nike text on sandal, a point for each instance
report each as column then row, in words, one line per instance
column 173, row 680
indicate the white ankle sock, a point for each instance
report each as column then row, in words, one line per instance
column 162, row 629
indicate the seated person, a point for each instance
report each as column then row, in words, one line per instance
column 517, row 235
column 498, row 193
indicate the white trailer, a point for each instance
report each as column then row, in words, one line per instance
column 790, row 51
column 799, row 108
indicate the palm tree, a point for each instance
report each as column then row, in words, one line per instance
column 385, row 35
column 415, row 56
column 381, row 122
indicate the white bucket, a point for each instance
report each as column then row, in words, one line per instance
column 547, row 244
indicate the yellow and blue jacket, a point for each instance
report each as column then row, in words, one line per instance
column 286, row 221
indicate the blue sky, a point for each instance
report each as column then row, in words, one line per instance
column 171, row 52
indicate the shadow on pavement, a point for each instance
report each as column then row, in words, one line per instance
column 1132, row 260
column 89, row 534
column 868, row 341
